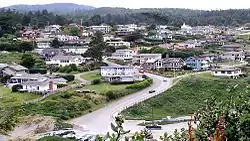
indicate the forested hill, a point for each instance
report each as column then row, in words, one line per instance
column 59, row 8
column 170, row 16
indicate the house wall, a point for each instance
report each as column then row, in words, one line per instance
column 226, row 73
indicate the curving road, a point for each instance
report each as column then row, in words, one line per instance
column 98, row 122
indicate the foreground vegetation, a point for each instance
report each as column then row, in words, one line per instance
column 186, row 97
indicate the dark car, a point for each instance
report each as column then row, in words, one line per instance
column 153, row 127
column 151, row 91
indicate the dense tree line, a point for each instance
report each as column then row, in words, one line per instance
column 11, row 21
column 168, row 16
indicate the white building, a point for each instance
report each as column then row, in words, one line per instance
column 39, row 86
column 120, row 74
column 43, row 45
column 186, row 27
column 75, row 49
column 102, row 28
column 123, row 54
column 143, row 58
column 227, row 72
column 62, row 60
column 233, row 56
column 118, row 43
column 66, row 38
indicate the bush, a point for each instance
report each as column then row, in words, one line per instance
column 59, row 125
column 96, row 81
column 67, row 95
column 68, row 77
column 61, row 85
column 16, row 88
column 141, row 85
column 110, row 95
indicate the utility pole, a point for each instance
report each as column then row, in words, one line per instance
column 81, row 22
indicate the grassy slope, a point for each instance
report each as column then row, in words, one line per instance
column 7, row 98
column 102, row 87
column 185, row 97
column 91, row 75
column 10, row 57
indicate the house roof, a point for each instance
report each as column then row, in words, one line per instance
column 59, row 80
column 66, row 57
column 30, row 76
column 17, row 67
column 172, row 60
column 37, row 83
column 114, row 67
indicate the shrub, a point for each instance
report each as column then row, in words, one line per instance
column 68, row 77
column 141, row 85
column 59, row 125
column 61, row 85
column 96, row 81
column 110, row 95
column 67, row 95
column 16, row 88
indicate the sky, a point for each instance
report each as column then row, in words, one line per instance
column 190, row 4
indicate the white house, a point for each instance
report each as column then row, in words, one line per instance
column 233, row 56
column 102, row 28
column 43, row 45
column 186, row 27
column 65, row 38
column 22, row 77
column 227, row 72
column 120, row 74
column 62, row 60
column 143, row 58
column 118, row 43
column 75, row 49
column 39, row 86
column 123, row 54
column 197, row 63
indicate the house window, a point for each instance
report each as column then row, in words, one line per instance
column 216, row 72
column 223, row 72
column 37, row 88
column 229, row 72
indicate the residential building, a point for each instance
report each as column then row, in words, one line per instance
column 172, row 63
column 67, row 38
column 123, row 54
column 11, row 70
column 43, row 44
column 20, row 78
column 211, row 57
column 48, row 53
column 30, row 35
column 186, row 27
column 65, row 60
column 232, row 56
column 120, row 74
column 102, row 28
column 197, row 63
column 46, row 86
column 118, row 43
column 75, row 49
column 227, row 72
column 140, row 59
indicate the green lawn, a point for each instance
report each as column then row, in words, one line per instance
column 92, row 75
column 104, row 87
column 7, row 98
column 187, row 96
column 11, row 57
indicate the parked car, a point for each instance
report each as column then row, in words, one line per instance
column 165, row 80
column 153, row 127
column 151, row 91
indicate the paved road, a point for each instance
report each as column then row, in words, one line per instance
column 98, row 122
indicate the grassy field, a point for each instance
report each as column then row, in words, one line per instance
column 92, row 75
column 187, row 96
column 7, row 98
column 10, row 57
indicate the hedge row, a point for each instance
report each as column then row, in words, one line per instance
column 141, row 85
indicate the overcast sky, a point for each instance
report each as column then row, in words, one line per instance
column 192, row 4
